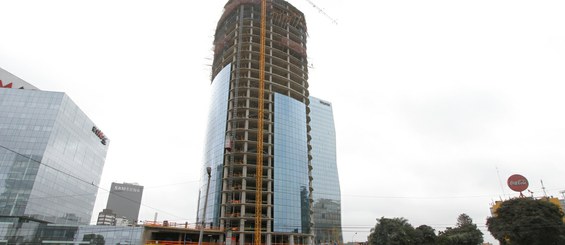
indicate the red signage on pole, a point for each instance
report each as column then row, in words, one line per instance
column 518, row 183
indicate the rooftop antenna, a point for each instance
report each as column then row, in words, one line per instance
column 543, row 188
column 563, row 194
column 500, row 182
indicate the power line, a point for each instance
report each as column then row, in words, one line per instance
column 184, row 219
column 172, row 184
column 85, row 181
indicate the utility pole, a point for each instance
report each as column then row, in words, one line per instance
column 209, row 171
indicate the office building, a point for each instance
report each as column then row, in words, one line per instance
column 51, row 159
column 59, row 234
column 106, row 217
column 259, row 136
column 326, row 194
column 125, row 200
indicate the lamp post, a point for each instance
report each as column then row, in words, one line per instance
column 209, row 171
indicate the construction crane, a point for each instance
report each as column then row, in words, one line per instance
column 261, row 107
column 322, row 12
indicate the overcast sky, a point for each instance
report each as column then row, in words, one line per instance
column 436, row 103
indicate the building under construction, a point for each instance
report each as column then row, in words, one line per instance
column 258, row 135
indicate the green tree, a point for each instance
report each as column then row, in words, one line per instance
column 94, row 239
column 466, row 233
column 396, row 231
column 426, row 234
column 527, row 221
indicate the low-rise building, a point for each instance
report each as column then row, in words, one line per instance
column 106, row 217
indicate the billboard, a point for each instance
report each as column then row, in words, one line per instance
column 517, row 183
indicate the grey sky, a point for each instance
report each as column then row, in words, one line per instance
column 430, row 97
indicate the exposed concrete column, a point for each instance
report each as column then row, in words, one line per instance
column 269, row 241
column 241, row 236
column 291, row 240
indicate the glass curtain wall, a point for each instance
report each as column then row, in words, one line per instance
column 291, row 211
column 51, row 162
column 214, row 148
column 326, row 194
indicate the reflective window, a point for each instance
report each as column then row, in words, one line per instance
column 214, row 147
column 326, row 193
column 47, row 127
column 118, row 235
column 32, row 232
column 291, row 205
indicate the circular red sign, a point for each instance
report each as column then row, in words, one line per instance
column 518, row 183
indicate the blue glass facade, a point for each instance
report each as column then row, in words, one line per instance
column 214, row 147
column 291, row 210
column 51, row 161
column 47, row 127
column 326, row 194
column 41, row 233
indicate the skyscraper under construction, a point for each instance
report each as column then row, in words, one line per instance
column 258, row 135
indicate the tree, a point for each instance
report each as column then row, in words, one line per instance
column 94, row 239
column 465, row 233
column 464, row 220
column 396, row 231
column 527, row 221
column 426, row 234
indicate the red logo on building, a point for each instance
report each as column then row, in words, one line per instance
column 100, row 135
column 9, row 85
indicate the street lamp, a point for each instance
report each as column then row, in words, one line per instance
column 209, row 171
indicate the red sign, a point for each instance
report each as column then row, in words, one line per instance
column 518, row 183
column 9, row 85
column 100, row 135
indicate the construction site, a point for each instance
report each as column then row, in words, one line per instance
column 264, row 43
